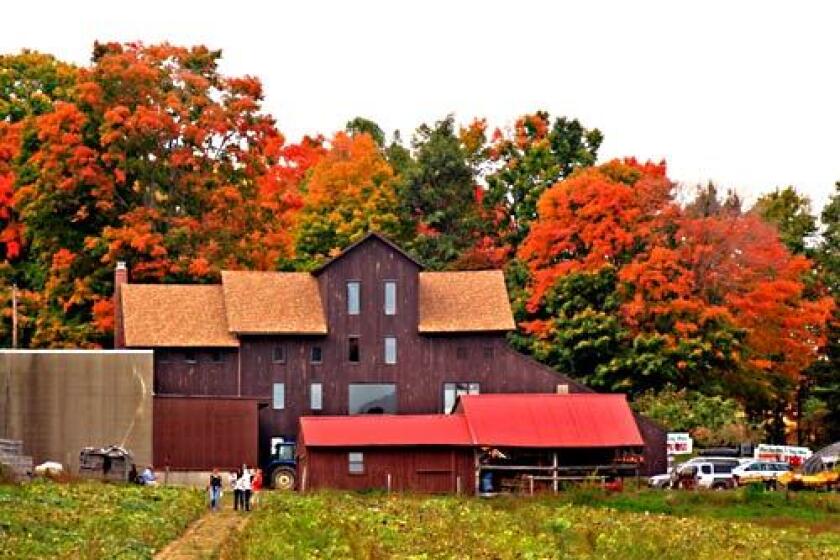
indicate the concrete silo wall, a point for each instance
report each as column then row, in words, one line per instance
column 59, row 401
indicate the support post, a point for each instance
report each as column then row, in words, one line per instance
column 388, row 482
column 14, row 317
column 555, row 484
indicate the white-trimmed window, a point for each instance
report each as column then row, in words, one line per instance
column 390, row 349
column 356, row 462
column 390, row 303
column 278, row 401
column 316, row 396
column 451, row 392
column 353, row 297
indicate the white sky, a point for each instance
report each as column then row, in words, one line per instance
column 741, row 92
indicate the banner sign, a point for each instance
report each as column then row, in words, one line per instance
column 680, row 443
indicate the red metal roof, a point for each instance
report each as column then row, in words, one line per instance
column 549, row 420
column 509, row 420
column 348, row 431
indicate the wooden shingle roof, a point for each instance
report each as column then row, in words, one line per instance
column 174, row 315
column 469, row 301
column 273, row 303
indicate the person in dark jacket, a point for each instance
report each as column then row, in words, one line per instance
column 215, row 489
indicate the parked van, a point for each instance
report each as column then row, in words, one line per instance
column 722, row 467
column 705, row 474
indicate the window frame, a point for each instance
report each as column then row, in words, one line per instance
column 274, row 387
column 385, row 285
column 213, row 354
column 358, row 308
column 312, row 386
column 282, row 349
column 350, row 387
column 385, row 340
column 351, row 339
column 358, row 461
column 320, row 350
column 190, row 357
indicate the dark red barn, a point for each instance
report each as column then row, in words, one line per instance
column 368, row 332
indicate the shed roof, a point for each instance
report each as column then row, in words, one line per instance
column 369, row 430
column 174, row 315
column 467, row 301
column 549, row 420
column 273, row 302
column 499, row 420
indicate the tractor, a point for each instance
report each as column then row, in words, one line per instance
column 281, row 467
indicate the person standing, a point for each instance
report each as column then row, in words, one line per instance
column 215, row 489
column 246, row 480
column 256, row 486
column 235, row 485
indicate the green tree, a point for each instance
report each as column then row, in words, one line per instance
column 438, row 195
column 790, row 212
column 536, row 154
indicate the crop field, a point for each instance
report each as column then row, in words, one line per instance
column 90, row 520
column 340, row 525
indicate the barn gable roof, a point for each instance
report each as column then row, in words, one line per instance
column 467, row 301
column 500, row 420
column 175, row 315
column 370, row 236
column 273, row 303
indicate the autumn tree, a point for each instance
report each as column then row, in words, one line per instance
column 647, row 296
column 349, row 192
column 161, row 161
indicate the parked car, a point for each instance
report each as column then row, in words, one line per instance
column 660, row 481
column 767, row 472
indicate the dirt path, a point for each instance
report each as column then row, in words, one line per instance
column 204, row 538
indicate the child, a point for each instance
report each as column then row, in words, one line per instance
column 215, row 489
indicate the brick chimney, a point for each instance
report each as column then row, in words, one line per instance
column 120, row 278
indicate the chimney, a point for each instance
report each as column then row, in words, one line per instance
column 120, row 278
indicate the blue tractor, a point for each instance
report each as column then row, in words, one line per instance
column 281, row 467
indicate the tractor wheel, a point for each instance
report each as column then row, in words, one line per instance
column 283, row 479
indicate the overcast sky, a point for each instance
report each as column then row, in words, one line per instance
column 744, row 93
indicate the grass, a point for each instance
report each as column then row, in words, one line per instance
column 371, row 526
column 753, row 503
column 91, row 520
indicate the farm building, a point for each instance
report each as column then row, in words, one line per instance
column 490, row 443
column 370, row 331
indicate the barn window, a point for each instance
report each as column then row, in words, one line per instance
column 279, row 400
column 461, row 352
column 390, row 297
column 390, row 349
column 356, row 462
column 216, row 356
column 189, row 357
column 316, row 400
column 353, row 297
column 278, row 354
column 372, row 398
column 353, row 349
column 488, row 352
column 163, row 356
column 562, row 388
column 315, row 355
column 451, row 392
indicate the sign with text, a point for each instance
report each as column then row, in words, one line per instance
column 680, row 443
column 782, row 453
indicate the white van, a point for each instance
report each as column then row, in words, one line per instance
column 716, row 472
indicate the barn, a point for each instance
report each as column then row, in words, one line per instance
column 491, row 443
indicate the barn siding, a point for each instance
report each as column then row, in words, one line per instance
column 417, row 469
column 201, row 434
